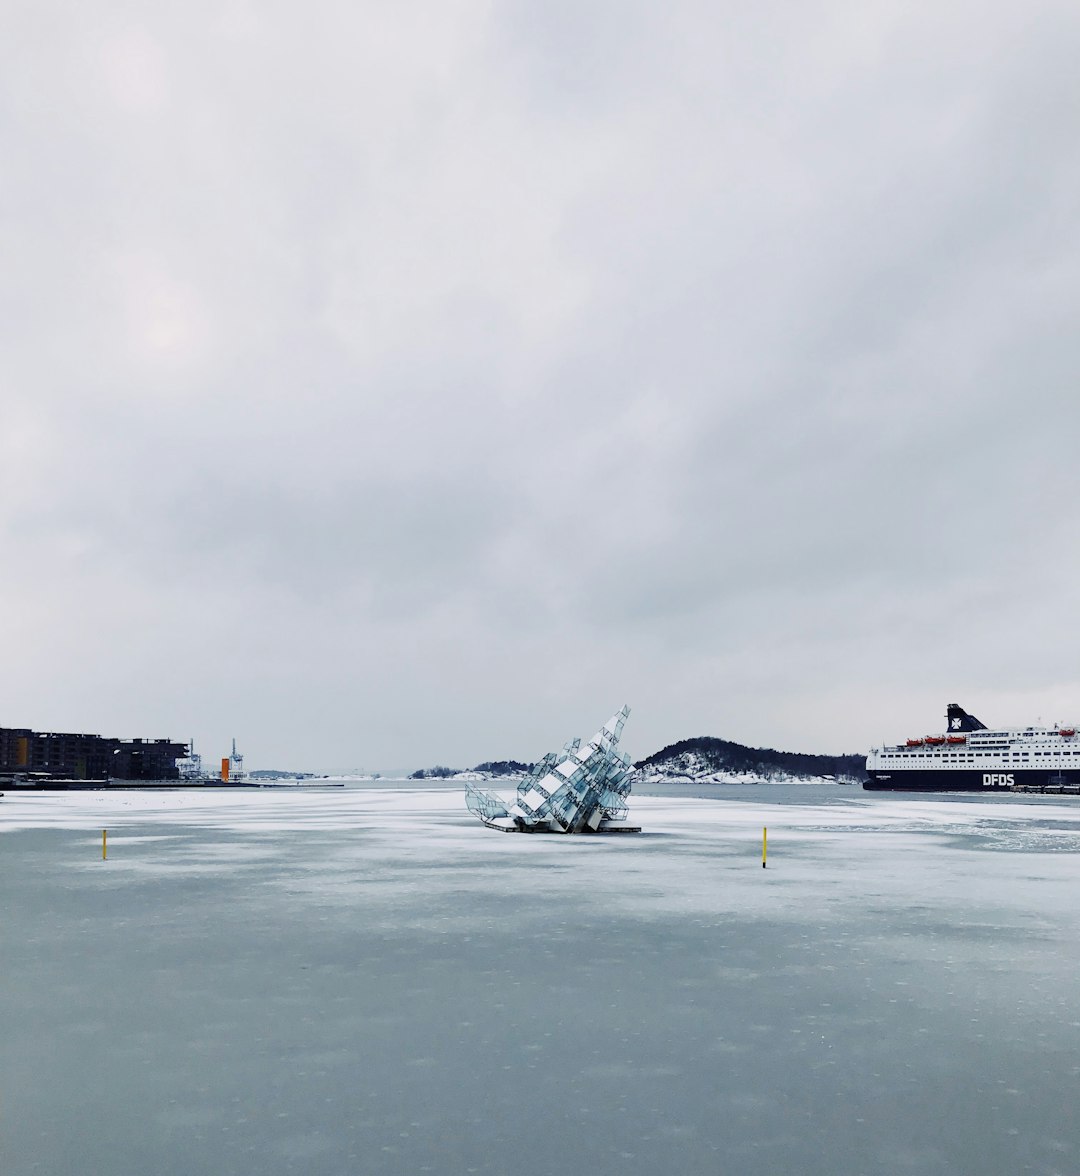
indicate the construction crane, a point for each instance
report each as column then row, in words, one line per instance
column 190, row 766
column 236, row 761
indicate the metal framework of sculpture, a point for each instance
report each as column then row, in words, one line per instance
column 581, row 789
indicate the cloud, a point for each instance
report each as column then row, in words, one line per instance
column 398, row 383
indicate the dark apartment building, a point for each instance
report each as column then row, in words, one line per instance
column 87, row 757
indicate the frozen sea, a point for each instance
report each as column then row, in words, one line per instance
column 364, row 980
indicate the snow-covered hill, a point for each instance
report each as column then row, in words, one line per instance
column 697, row 761
column 717, row 761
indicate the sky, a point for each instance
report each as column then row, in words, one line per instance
column 392, row 384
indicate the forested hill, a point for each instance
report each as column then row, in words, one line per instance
column 705, row 760
column 708, row 758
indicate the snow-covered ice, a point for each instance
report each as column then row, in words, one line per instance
column 366, row 980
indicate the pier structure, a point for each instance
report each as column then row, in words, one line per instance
column 1051, row 788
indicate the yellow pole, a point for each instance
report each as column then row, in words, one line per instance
column 104, row 844
column 764, row 845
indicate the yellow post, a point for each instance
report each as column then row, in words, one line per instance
column 104, row 844
column 764, row 845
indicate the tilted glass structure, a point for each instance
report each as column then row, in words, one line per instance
column 581, row 789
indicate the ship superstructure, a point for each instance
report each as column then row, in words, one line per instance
column 970, row 757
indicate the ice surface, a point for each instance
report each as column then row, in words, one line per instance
column 366, row 980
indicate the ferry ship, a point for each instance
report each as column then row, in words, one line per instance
column 968, row 757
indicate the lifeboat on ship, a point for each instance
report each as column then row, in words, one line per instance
column 956, row 739
column 1068, row 732
column 934, row 740
column 914, row 743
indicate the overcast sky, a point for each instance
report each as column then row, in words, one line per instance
column 395, row 383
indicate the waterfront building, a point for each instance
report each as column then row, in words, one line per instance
column 66, row 756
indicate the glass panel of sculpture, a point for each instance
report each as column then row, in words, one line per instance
column 582, row 789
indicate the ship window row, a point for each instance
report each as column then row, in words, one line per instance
column 962, row 755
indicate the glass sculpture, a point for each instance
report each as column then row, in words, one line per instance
column 581, row 789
